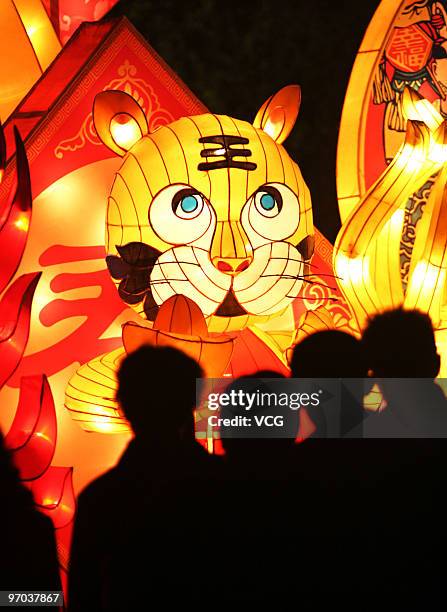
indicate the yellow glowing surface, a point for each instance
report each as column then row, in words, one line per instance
column 367, row 253
column 422, row 110
column 28, row 44
column 125, row 131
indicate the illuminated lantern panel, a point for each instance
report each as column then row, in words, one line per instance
column 404, row 46
column 54, row 495
column 181, row 324
column 28, row 45
column 93, row 405
column 391, row 171
column 15, row 315
column 67, row 15
column 2, row 153
column 32, row 437
column 368, row 256
column 16, row 298
column 16, row 215
column 125, row 131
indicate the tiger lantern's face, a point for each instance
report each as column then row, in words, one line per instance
column 209, row 207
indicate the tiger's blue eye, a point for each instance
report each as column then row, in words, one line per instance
column 189, row 204
column 267, row 201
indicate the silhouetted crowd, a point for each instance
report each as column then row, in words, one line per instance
column 308, row 521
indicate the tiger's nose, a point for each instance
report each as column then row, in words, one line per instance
column 232, row 265
column 231, row 251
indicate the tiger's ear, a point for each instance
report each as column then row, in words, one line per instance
column 278, row 114
column 119, row 120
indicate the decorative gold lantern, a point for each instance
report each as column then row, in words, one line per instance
column 383, row 257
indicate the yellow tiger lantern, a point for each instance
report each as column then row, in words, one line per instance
column 209, row 207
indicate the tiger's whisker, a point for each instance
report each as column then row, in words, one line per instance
column 330, row 275
column 304, row 261
column 298, row 277
column 190, row 263
column 168, row 280
column 310, row 298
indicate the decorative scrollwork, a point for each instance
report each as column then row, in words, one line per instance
column 413, row 213
column 136, row 87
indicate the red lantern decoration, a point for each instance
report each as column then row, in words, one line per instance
column 32, row 436
column 15, row 218
column 180, row 323
column 15, row 312
column 54, row 495
column 2, row 152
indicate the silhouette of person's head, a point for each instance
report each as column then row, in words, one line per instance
column 333, row 354
column 157, row 392
column 401, row 344
column 256, row 445
column 328, row 354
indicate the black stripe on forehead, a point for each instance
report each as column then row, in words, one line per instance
column 225, row 151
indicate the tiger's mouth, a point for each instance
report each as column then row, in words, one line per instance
column 230, row 307
column 133, row 266
column 147, row 277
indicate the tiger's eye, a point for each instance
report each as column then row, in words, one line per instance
column 267, row 201
column 189, row 204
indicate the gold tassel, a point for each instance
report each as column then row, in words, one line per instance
column 382, row 90
column 396, row 119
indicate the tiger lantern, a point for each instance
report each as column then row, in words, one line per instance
column 208, row 207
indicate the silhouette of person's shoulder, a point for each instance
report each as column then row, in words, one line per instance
column 31, row 561
column 28, row 557
column 141, row 474
column 417, row 409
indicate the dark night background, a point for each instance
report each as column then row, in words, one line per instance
column 234, row 55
